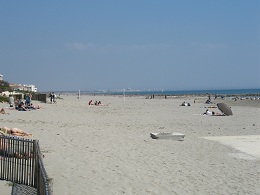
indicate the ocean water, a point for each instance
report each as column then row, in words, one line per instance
column 223, row 92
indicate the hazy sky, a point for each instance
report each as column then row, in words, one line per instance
column 138, row 44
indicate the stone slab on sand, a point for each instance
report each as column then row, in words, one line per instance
column 5, row 189
column 249, row 144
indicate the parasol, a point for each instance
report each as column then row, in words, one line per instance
column 225, row 109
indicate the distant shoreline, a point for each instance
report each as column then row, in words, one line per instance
column 219, row 93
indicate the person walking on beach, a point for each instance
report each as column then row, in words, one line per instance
column 52, row 97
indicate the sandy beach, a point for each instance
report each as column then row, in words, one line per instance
column 108, row 149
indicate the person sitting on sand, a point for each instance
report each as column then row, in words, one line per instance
column 2, row 111
column 28, row 99
column 208, row 101
column 185, row 104
column 14, row 132
column 20, row 106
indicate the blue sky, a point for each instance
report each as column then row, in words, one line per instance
column 138, row 44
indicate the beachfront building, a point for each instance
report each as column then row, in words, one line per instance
column 20, row 87
column 31, row 88
column 16, row 87
column 1, row 77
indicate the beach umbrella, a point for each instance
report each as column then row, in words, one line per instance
column 225, row 109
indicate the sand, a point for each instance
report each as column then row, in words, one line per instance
column 108, row 149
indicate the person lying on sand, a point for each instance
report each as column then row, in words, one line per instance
column 14, row 131
column 99, row 104
column 33, row 107
column 6, row 150
column 209, row 113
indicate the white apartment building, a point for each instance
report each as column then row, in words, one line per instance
column 31, row 88
column 20, row 87
column 1, row 77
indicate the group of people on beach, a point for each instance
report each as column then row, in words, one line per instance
column 20, row 104
column 96, row 103
column 7, row 148
column 52, row 97
column 212, row 113
column 208, row 112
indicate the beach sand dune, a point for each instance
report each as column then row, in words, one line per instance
column 108, row 149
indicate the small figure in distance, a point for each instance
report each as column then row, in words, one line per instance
column 100, row 104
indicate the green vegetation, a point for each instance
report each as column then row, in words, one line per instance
column 4, row 99
column 10, row 184
column 4, row 86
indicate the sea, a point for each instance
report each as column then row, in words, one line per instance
column 219, row 92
